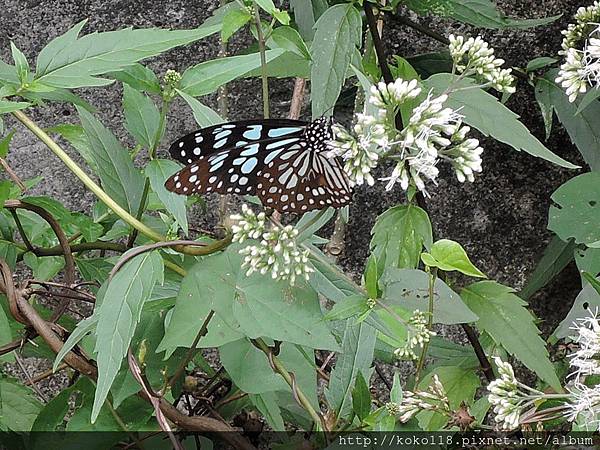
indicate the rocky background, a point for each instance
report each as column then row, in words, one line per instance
column 500, row 219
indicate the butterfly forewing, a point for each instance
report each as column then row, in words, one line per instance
column 225, row 136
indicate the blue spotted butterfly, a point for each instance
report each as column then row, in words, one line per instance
column 283, row 162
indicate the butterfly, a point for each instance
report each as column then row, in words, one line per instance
column 284, row 162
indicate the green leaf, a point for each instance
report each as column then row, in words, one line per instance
column 538, row 63
column 306, row 13
column 53, row 413
column 6, row 106
column 74, row 62
column 356, row 356
column 120, row 179
column 586, row 302
column 21, row 63
column 556, row 257
column 76, row 136
column 350, row 306
column 142, row 118
column 268, row 5
column 8, row 74
column 286, row 65
column 361, row 397
column 588, row 260
column 44, row 268
column 138, row 77
column 582, row 126
column 118, row 316
column 233, row 21
column 460, row 385
column 449, row 256
column 396, row 391
column 5, row 187
column 588, row 99
column 249, row 368
column 504, row 317
column 5, row 143
column 399, row 236
column 205, row 116
column 409, row 289
column 428, row 64
column 84, row 327
column 337, row 35
column 18, row 405
column 264, row 307
column 188, row 315
column 484, row 112
column 309, row 223
column 157, row 171
column 6, row 334
column 576, row 212
column 371, row 277
column 208, row 76
column 480, row 13
column 289, row 39
column 593, row 282
column 266, row 403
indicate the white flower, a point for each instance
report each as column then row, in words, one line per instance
column 474, row 56
column 505, row 396
column 572, row 74
column 418, row 334
column 585, row 406
column 360, row 155
column 393, row 94
column 578, row 31
column 277, row 252
column 249, row 225
column 586, row 360
column 279, row 255
column 434, row 398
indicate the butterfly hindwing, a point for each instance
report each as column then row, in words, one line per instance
column 217, row 138
column 299, row 180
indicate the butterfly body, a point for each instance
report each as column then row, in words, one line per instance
column 283, row 162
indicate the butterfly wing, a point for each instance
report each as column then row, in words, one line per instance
column 218, row 138
column 233, row 170
column 298, row 180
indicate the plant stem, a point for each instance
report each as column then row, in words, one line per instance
column 423, row 356
column 87, row 181
column 263, row 63
column 281, row 370
column 192, row 350
column 152, row 154
column 478, row 349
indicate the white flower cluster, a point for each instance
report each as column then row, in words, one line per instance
column 581, row 48
column 418, row 334
column 435, row 398
column 433, row 132
column 474, row 56
column 276, row 252
column 584, row 406
column 586, row 360
column 505, row 396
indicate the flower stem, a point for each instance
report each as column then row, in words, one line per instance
column 281, row 370
column 86, row 180
column 263, row 63
column 421, row 363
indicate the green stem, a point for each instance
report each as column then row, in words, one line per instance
column 263, row 63
column 152, row 154
column 87, row 181
column 281, row 370
column 421, row 363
